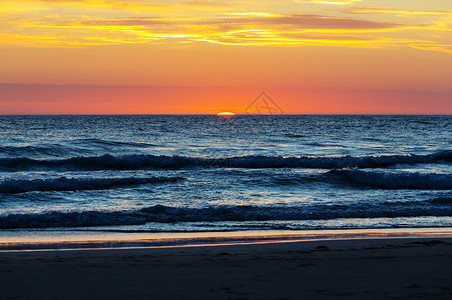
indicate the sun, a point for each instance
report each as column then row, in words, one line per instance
column 225, row 113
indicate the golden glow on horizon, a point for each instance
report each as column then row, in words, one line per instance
column 225, row 113
column 335, row 2
column 239, row 47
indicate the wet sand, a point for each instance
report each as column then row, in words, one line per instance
column 403, row 268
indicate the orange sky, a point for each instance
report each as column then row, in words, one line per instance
column 310, row 56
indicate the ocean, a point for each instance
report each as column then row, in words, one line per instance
column 209, row 173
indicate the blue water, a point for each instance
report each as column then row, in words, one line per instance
column 207, row 173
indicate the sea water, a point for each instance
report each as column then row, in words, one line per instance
column 207, row 173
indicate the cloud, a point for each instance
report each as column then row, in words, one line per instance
column 268, row 37
column 287, row 21
column 137, row 6
column 433, row 47
column 387, row 10
column 250, row 29
column 324, row 22
column 335, row 2
column 226, row 28
column 439, row 20
column 444, row 22
column 257, row 29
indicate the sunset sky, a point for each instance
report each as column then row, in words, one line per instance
column 181, row 56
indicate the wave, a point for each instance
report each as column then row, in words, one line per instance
column 137, row 162
column 355, row 178
column 32, row 150
column 69, row 147
column 442, row 200
column 102, row 142
column 74, row 184
column 168, row 214
column 388, row 180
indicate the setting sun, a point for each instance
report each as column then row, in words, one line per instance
column 225, row 113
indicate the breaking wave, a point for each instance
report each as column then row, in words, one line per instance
column 167, row 214
column 388, row 180
column 74, row 184
column 137, row 162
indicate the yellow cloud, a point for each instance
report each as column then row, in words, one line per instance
column 141, row 6
column 11, row 8
column 444, row 22
column 29, row 40
column 387, row 10
column 268, row 37
column 433, row 47
column 335, row 2
column 247, row 28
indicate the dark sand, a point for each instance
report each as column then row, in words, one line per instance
column 342, row 269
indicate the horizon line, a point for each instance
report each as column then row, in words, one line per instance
column 241, row 114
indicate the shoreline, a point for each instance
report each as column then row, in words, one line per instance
column 73, row 240
column 379, row 268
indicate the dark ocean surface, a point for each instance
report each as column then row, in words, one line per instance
column 167, row 173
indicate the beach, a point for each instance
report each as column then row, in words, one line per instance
column 379, row 268
column 214, row 207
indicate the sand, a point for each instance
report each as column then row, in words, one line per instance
column 403, row 268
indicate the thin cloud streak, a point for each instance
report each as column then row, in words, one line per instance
column 335, row 2
column 114, row 5
column 388, row 10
